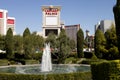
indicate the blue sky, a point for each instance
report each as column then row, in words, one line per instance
column 84, row 12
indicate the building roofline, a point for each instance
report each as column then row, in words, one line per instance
column 11, row 18
column 50, row 6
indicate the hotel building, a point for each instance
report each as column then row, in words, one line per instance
column 51, row 20
column 71, row 31
column 103, row 25
column 6, row 22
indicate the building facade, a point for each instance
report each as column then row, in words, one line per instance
column 103, row 25
column 51, row 20
column 71, row 31
column 89, row 42
column 6, row 22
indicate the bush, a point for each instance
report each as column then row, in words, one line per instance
column 19, row 56
column 88, row 54
column 16, row 61
column 36, row 56
column 3, row 62
column 65, row 76
column 32, row 62
column 109, row 70
column 90, row 61
column 3, row 55
column 73, row 54
column 70, row 60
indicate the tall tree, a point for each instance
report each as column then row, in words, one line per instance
column 100, row 43
column 111, row 37
column 111, row 45
column 63, row 46
column 37, row 42
column 116, row 11
column 51, row 39
column 80, row 43
column 26, row 32
column 9, row 44
column 18, row 44
column 27, row 45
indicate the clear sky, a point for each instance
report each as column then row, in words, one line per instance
column 87, row 13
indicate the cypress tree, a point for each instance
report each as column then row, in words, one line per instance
column 116, row 11
column 26, row 32
column 27, row 45
column 100, row 43
column 9, row 45
column 80, row 42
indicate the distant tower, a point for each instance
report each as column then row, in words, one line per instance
column 87, row 33
column 51, row 20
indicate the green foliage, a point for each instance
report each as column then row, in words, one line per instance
column 27, row 46
column 26, row 32
column 32, row 62
column 65, row 76
column 88, row 54
column 80, row 43
column 37, row 43
column 94, row 57
column 2, row 42
column 9, row 45
column 18, row 44
column 71, row 60
column 111, row 37
column 63, row 45
column 113, row 53
column 3, row 62
column 100, row 43
column 111, row 45
column 108, row 70
column 116, row 11
column 72, row 44
column 51, row 39
column 36, row 56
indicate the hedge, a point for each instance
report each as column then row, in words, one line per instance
column 3, row 62
column 109, row 70
column 67, row 76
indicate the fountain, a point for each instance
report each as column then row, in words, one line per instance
column 46, row 65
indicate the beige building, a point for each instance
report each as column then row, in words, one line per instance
column 51, row 20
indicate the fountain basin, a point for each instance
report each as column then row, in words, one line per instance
column 36, row 69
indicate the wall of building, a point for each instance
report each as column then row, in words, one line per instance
column 104, row 25
column 71, row 31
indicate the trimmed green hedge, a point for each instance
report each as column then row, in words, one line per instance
column 109, row 70
column 32, row 61
column 3, row 62
column 68, row 76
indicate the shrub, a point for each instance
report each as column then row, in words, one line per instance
column 70, row 60
column 36, row 56
column 108, row 70
column 3, row 62
column 3, row 55
column 88, row 54
column 32, row 61
column 65, row 76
